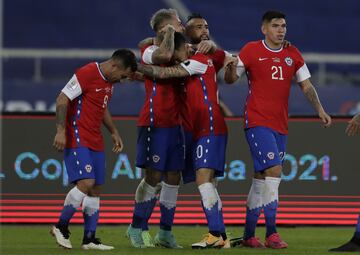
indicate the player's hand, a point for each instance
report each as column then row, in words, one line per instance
column 118, row 143
column 353, row 127
column 286, row 43
column 168, row 28
column 326, row 119
column 206, row 46
column 60, row 140
column 230, row 62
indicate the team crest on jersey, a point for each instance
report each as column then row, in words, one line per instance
column 156, row 158
column 107, row 89
column 210, row 63
column 288, row 61
column 271, row 155
column 88, row 168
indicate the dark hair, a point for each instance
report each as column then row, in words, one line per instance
column 179, row 40
column 127, row 58
column 269, row 15
column 194, row 16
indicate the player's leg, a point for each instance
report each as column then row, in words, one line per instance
column 354, row 244
column 150, row 150
column 170, row 187
column 76, row 165
column 273, row 160
column 91, row 205
column 209, row 157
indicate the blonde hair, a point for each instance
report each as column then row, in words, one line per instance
column 160, row 16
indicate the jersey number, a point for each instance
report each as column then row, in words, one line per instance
column 277, row 73
column 106, row 99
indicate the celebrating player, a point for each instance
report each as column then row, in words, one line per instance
column 352, row 129
column 81, row 107
column 208, row 129
column 270, row 69
column 160, row 142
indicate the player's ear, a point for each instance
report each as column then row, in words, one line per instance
column 263, row 28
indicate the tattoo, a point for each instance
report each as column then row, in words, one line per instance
column 61, row 115
column 158, row 72
column 313, row 98
column 357, row 119
column 166, row 49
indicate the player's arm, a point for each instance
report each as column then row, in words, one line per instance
column 158, row 72
column 311, row 94
column 353, row 127
column 62, row 103
column 163, row 54
column 110, row 125
column 233, row 69
column 146, row 42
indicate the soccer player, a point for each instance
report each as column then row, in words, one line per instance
column 160, row 142
column 352, row 129
column 270, row 69
column 81, row 108
column 208, row 129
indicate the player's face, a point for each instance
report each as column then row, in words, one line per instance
column 274, row 31
column 197, row 30
column 176, row 23
column 120, row 73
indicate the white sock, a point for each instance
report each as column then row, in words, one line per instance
column 208, row 195
column 168, row 195
column 144, row 192
column 90, row 205
column 74, row 197
column 254, row 199
column 271, row 190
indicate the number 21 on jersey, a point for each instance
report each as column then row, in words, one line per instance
column 277, row 73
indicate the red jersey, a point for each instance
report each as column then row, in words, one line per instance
column 89, row 93
column 202, row 97
column 162, row 100
column 218, row 58
column 269, row 74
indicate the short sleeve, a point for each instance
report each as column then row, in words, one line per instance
column 73, row 88
column 302, row 71
column 147, row 55
column 194, row 67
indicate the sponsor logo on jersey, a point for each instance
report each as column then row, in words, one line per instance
column 262, row 59
column 187, row 62
column 97, row 90
column 156, row 158
column 276, row 60
column 288, row 61
column 271, row 155
column 88, row 168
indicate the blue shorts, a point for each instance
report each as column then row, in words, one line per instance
column 267, row 147
column 84, row 163
column 160, row 149
column 207, row 152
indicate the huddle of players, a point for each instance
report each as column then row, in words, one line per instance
column 182, row 109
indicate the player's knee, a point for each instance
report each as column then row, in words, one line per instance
column 274, row 171
column 152, row 177
column 204, row 175
column 86, row 185
column 172, row 178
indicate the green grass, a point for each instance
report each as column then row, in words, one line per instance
column 28, row 240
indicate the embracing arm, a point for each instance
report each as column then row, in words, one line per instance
column 110, row 125
column 158, row 72
column 163, row 54
column 310, row 93
column 146, row 42
column 353, row 127
column 62, row 103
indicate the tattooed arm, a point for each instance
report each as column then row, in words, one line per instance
column 62, row 103
column 310, row 93
column 163, row 54
column 353, row 127
column 158, row 72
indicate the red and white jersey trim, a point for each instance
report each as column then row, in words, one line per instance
column 194, row 67
column 147, row 55
column 302, row 73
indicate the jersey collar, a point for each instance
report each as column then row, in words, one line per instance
column 270, row 49
column 102, row 75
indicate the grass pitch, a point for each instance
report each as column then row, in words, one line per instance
column 35, row 239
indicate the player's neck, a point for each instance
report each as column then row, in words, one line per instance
column 271, row 45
